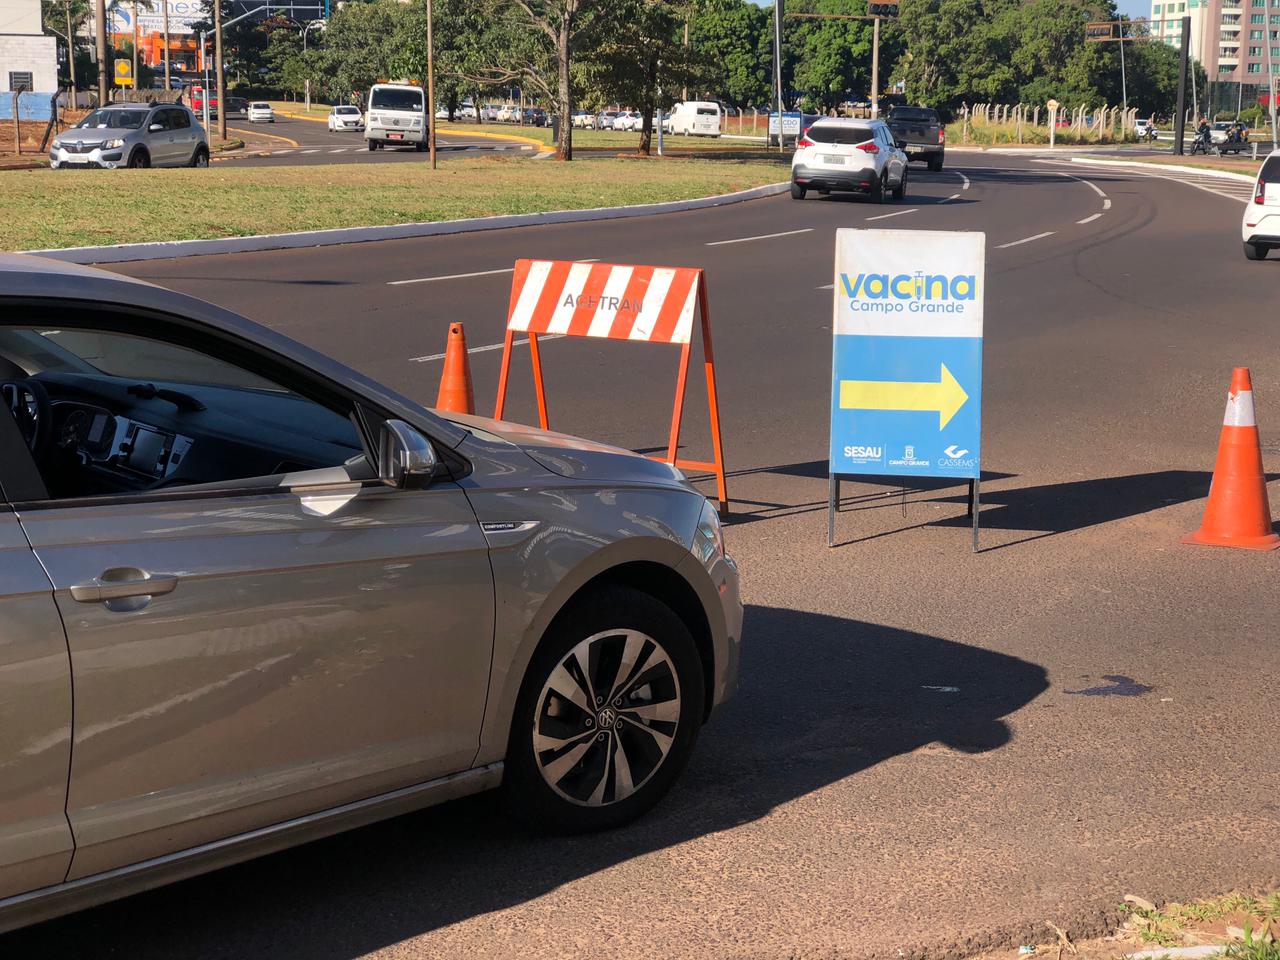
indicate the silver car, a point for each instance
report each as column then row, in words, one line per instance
column 285, row 601
column 133, row 135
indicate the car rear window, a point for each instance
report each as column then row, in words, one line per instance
column 262, row 106
column 917, row 114
column 1270, row 172
column 833, row 133
column 711, row 111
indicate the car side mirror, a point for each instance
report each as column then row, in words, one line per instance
column 406, row 458
column 156, row 126
column 900, row 144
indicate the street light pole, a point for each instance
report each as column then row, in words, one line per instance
column 217, row 65
column 431, row 90
column 777, row 66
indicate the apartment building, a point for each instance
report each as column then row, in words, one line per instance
column 1237, row 40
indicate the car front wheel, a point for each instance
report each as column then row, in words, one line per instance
column 607, row 716
column 139, row 159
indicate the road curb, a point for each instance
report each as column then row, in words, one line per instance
column 509, row 137
column 174, row 249
column 1176, row 168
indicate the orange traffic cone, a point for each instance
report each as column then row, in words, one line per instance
column 1237, row 514
column 456, row 395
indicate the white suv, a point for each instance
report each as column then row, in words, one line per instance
column 1260, row 227
column 858, row 156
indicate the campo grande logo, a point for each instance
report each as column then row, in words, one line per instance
column 917, row 293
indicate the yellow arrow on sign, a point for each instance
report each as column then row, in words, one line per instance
column 946, row 396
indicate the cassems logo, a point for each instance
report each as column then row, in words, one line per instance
column 914, row 293
column 957, row 458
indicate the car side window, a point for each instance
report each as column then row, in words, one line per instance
column 161, row 117
column 179, row 119
column 109, row 413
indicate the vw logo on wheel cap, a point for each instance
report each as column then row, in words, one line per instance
column 606, row 718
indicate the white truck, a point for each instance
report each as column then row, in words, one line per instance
column 397, row 116
column 698, row 118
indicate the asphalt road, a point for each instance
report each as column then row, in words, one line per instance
column 293, row 142
column 924, row 758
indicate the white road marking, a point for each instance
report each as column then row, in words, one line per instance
column 896, row 213
column 467, row 276
column 1092, row 186
column 763, row 236
column 827, row 286
column 954, row 196
column 290, row 150
column 488, row 346
column 344, row 149
column 310, row 151
column 1038, row 236
column 958, row 174
column 1090, row 219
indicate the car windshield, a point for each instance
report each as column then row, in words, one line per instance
column 833, row 133
column 913, row 114
column 347, row 110
column 114, row 119
column 391, row 99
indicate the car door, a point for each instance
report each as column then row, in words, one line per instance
column 35, row 703
column 251, row 651
column 184, row 135
column 160, row 142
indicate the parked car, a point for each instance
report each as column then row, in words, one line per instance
column 132, row 135
column 920, row 132
column 628, row 120
column 287, row 601
column 604, row 120
column 1260, row 227
column 345, row 117
column 535, row 117
column 261, row 112
column 509, row 113
column 237, row 107
column 842, row 155
column 583, row 119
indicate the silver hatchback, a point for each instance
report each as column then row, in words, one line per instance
column 286, row 601
column 133, row 135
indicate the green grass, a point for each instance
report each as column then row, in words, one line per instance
column 47, row 209
column 1166, row 926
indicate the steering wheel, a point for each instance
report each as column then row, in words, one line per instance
column 28, row 402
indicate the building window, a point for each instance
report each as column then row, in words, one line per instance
column 1254, row 68
column 1255, row 34
column 21, row 80
column 1253, row 18
column 1155, row 8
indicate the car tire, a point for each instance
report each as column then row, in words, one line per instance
column 577, row 762
column 935, row 164
column 797, row 191
column 139, row 159
column 878, row 191
column 200, row 158
column 1255, row 251
column 900, row 191
column 373, row 145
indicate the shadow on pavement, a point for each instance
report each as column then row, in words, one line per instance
column 822, row 698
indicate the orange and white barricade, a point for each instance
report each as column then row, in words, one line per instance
column 616, row 302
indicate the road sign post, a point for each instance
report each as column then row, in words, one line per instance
column 906, row 382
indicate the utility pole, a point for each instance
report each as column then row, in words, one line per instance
column 135, row 46
column 778, row 14
column 104, row 68
column 217, row 53
column 875, row 68
column 168, row 82
column 71, row 55
column 1180, row 120
column 431, row 90
column 684, row 90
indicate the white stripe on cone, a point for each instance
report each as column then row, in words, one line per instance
column 1239, row 410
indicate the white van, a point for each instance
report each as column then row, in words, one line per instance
column 397, row 114
column 701, row 118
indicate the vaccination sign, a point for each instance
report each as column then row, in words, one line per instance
column 906, row 381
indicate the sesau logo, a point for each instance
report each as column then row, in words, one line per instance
column 917, row 292
column 864, row 453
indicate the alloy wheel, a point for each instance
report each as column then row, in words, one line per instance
column 606, row 717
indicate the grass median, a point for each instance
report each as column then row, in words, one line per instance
column 47, row 209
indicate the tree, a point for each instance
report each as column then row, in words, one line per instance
column 731, row 49
column 833, row 57
column 64, row 18
column 534, row 42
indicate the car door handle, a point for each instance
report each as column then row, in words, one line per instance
column 123, row 582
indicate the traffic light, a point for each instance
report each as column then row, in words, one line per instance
column 883, row 9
